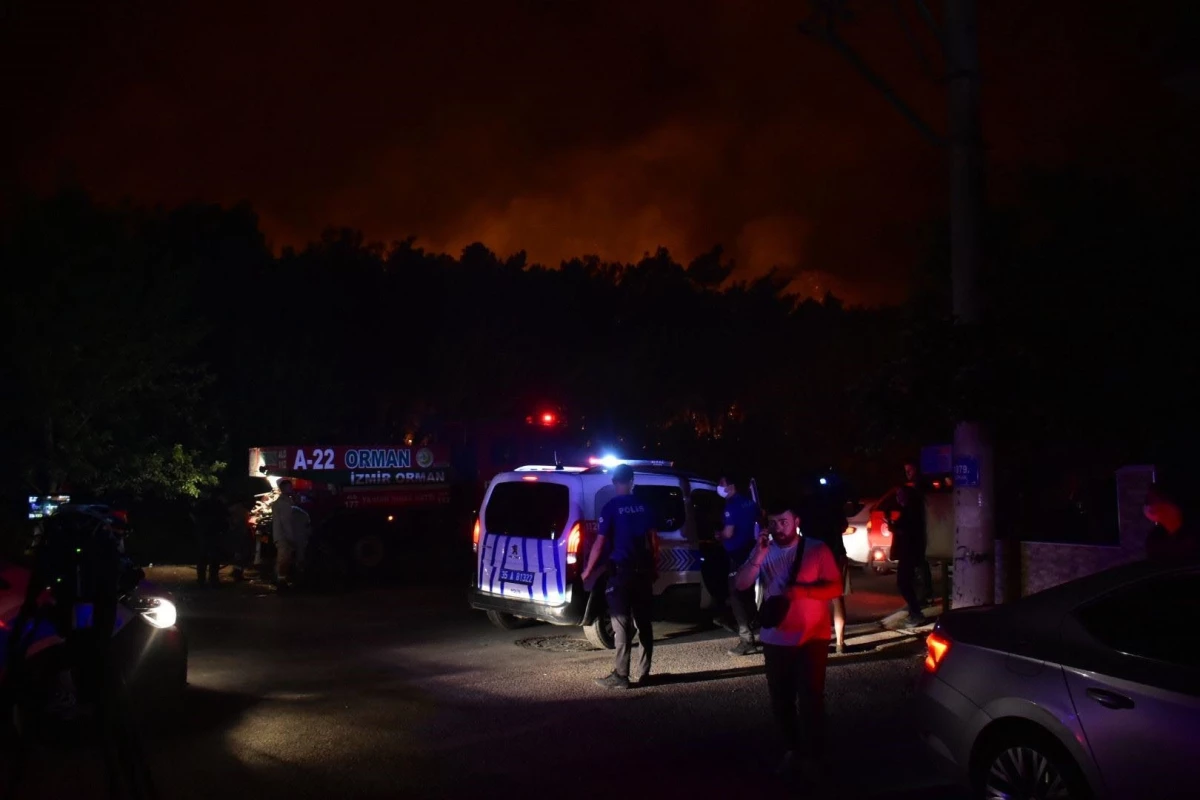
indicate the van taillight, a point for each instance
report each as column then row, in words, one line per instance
column 574, row 540
column 936, row 646
column 475, row 537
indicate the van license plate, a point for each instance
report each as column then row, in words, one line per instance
column 513, row 576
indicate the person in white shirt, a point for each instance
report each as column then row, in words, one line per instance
column 796, row 648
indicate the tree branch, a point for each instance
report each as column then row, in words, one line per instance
column 827, row 33
column 911, row 35
column 938, row 33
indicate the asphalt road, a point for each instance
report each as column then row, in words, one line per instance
column 406, row 692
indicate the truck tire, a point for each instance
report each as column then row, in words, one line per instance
column 507, row 622
column 599, row 632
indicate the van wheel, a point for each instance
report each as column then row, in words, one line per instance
column 507, row 622
column 368, row 552
column 600, row 631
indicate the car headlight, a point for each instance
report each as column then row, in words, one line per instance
column 158, row 611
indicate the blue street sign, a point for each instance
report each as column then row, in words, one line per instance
column 966, row 472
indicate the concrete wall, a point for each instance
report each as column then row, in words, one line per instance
column 1044, row 564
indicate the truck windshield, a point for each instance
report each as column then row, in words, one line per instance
column 528, row 509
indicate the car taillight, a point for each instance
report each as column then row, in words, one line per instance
column 936, row 646
column 475, row 537
column 574, row 540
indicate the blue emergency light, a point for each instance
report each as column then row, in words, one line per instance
column 611, row 462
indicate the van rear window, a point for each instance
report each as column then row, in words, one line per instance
column 529, row 509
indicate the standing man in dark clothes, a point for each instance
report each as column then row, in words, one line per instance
column 239, row 536
column 917, row 488
column 1172, row 538
column 738, row 537
column 823, row 518
column 628, row 539
column 908, row 549
column 210, row 520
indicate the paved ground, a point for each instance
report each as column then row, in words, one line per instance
column 406, row 692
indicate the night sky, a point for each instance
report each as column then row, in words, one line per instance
column 565, row 127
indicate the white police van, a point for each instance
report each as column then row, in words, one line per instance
column 536, row 527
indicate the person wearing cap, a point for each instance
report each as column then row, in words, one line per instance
column 627, row 538
column 1172, row 539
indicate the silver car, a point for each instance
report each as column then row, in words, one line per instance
column 1088, row 689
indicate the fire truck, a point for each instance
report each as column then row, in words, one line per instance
column 374, row 504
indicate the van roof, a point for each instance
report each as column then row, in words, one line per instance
column 681, row 473
column 600, row 470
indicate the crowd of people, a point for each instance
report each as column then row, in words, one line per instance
column 227, row 532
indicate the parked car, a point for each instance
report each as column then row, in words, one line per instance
column 857, row 536
column 879, row 536
column 147, row 645
column 1090, row 689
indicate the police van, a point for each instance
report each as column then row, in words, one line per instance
column 536, row 527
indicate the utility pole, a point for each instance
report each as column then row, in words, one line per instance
column 974, row 578
column 974, row 528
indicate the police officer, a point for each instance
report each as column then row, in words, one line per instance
column 628, row 539
column 739, row 536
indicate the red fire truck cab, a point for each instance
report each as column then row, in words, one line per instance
column 366, row 502
column 371, row 505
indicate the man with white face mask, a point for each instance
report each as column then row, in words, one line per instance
column 738, row 537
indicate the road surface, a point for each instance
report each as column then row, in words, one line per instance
column 406, row 692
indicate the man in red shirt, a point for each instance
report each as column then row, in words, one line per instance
column 795, row 655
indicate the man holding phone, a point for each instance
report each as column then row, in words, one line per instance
column 796, row 638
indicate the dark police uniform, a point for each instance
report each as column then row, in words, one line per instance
column 742, row 513
column 627, row 524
